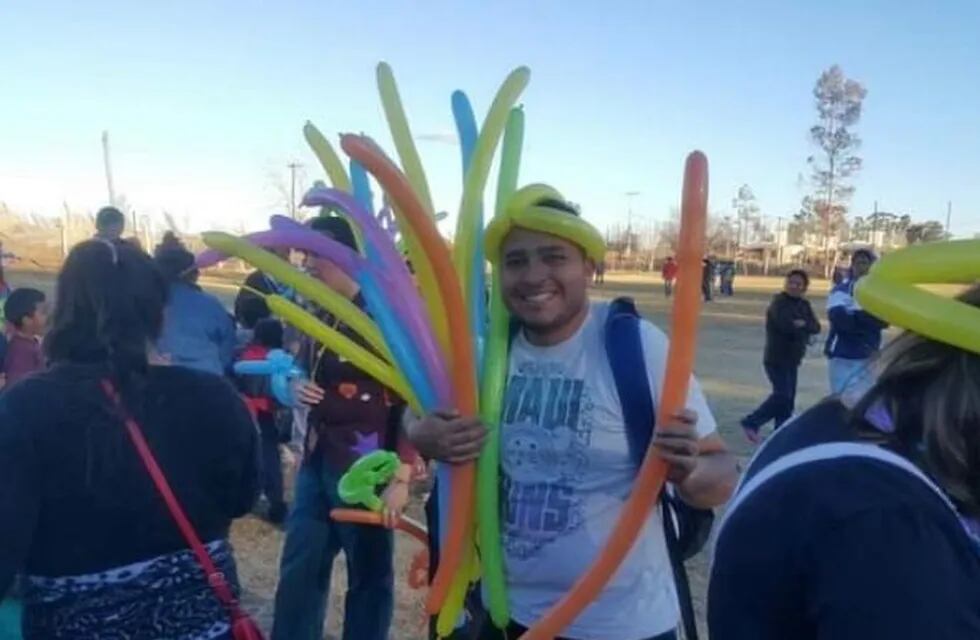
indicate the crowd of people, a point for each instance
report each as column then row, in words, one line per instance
column 122, row 413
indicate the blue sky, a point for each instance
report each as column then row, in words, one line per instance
column 205, row 101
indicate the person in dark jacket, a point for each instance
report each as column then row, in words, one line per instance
column 707, row 278
column 79, row 515
column 861, row 521
column 855, row 334
column 350, row 415
column 790, row 323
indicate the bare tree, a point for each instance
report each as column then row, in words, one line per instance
column 838, row 102
column 747, row 211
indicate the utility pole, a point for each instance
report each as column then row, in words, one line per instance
column 874, row 228
column 629, row 220
column 293, row 166
column 108, row 167
column 949, row 214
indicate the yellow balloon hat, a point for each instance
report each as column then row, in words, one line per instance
column 890, row 291
column 525, row 210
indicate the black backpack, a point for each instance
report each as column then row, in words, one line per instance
column 686, row 528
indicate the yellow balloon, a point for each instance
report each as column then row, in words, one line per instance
column 467, row 231
column 890, row 291
column 310, row 288
column 955, row 261
column 525, row 212
column 344, row 347
column 402, row 136
column 334, row 167
column 428, row 287
column 452, row 609
column 328, row 158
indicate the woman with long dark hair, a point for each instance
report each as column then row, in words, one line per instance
column 80, row 516
column 863, row 521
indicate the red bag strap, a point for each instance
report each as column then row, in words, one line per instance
column 216, row 579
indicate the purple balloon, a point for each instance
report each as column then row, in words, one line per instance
column 401, row 290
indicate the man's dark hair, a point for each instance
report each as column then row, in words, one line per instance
column 21, row 304
column 252, row 310
column 802, row 274
column 559, row 205
column 268, row 333
column 109, row 217
column 337, row 228
column 175, row 262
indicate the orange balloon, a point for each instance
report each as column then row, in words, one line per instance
column 462, row 477
column 680, row 364
column 360, row 516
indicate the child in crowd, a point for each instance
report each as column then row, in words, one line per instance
column 26, row 312
column 275, row 420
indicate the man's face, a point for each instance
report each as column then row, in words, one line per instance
column 113, row 231
column 796, row 286
column 860, row 264
column 544, row 279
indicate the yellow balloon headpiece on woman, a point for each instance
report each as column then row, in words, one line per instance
column 891, row 291
column 529, row 208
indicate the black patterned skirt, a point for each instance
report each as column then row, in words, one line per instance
column 163, row 598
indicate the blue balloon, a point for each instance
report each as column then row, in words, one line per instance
column 402, row 347
column 281, row 369
column 361, row 186
column 467, row 131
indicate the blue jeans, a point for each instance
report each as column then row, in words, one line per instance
column 312, row 543
column 779, row 406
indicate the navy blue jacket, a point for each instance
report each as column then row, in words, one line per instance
column 854, row 333
column 842, row 549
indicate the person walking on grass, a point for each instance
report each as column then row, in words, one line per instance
column 669, row 274
column 790, row 326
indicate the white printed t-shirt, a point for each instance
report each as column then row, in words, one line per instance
column 566, row 472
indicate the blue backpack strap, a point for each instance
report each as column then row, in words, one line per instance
column 624, row 349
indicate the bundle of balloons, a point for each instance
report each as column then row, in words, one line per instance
column 432, row 338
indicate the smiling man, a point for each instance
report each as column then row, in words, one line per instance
column 567, row 466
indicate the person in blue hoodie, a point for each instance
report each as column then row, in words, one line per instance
column 855, row 334
column 198, row 332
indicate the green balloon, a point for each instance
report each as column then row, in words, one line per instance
column 359, row 485
column 494, row 382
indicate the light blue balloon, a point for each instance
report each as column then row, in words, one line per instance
column 361, row 186
column 402, row 347
column 281, row 369
column 467, row 131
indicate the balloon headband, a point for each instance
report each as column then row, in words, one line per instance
column 890, row 291
column 528, row 209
